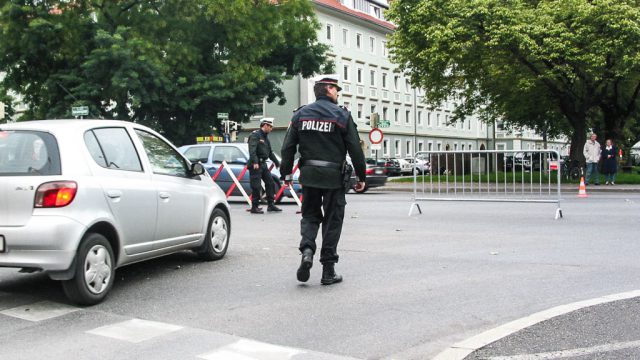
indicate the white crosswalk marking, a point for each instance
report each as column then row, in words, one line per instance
column 135, row 330
column 39, row 311
column 572, row 352
column 251, row 350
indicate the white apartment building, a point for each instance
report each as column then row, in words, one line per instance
column 356, row 33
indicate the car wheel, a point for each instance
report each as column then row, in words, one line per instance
column 95, row 271
column 216, row 241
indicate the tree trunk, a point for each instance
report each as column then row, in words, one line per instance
column 578, row 138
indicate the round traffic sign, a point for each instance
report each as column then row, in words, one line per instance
column 376, row 136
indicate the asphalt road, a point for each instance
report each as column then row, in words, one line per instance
column 414, row 285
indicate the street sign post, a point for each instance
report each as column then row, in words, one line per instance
column 80, row 110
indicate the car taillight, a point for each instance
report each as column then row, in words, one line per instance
column 55, row 194
column 369, row 171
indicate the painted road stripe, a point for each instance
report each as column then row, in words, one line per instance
column 135, row 330
column 40, row 311
column 573, row 352
column 245, row 349
column 460, row 350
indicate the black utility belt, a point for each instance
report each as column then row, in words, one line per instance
column 322, row 163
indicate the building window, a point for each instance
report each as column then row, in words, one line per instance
column 419, row 118
column 384, row 80
column 409, row 150
column 372, row 76
column 345, row 37
column 396, row 117
column 420, row 146
column 345, row 72
column 375, row 11
column 359, row 77
column 385, row 113
column 359, row 111
column 439, row 146
column 428, row 119
column 373, row 109
column 430, row 146
column 385, row 147
column 397, row 148
column 455, row 146
column 384, row 49
column 329, row 32
column 359, row 41
column 396, row 82
column 347, row 105
column 407, row 86
column 407, row 117
column 462, row 147
column 437, row 120
column 372, row 45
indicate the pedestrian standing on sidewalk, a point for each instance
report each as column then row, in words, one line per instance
column 259, row 152
column 323, row 133
column 591, row 153
column 609, row 162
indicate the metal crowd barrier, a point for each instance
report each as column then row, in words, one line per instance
column 527, row 176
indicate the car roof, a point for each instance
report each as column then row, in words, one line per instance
column 63, row 123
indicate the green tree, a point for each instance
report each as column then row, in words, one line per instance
column 560, row 66
column 170, row 64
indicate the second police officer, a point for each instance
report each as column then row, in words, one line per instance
column 323, row 133
column 259, row 151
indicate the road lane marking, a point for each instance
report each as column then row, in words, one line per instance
column 39, row 311
column 461, row 349
column 572, row 352
column 135, row 330
column 245, row 349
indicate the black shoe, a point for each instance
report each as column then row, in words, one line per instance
column 329, row 275
column 256, row 210
column 305, row 265
column 273, row 208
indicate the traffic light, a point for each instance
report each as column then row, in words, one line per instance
column 374, row 120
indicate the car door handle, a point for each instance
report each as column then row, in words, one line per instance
column 164, row 195
column 114, row 194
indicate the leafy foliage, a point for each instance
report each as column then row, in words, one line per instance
column 170, row 64
column 559, row 66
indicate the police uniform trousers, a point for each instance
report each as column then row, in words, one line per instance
column 326, row 207
column 262, row 173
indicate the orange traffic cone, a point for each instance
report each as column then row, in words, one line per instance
column 582, row 192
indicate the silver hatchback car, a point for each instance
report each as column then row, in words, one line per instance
column 80, row 198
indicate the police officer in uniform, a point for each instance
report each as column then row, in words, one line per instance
column 259, row 152
column 323, row 133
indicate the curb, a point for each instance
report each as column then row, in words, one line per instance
column 462, row 349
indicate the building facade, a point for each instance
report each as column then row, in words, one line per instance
column 356, row 32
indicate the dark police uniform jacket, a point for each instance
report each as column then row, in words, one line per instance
column 322, row 131
column 260, row 149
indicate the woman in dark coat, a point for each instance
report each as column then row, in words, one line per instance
column 609, row 162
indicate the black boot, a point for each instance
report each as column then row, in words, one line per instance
column 255, row 209
column 272, row 208
column 305, row 265
column 329, row 275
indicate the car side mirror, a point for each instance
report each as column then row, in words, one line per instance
column 197, row 169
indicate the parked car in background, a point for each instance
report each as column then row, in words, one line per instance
column 392, row 166
column 420, row 166
column 527, row 161
column 236, row 155
column 80, row 198
column 406, row 167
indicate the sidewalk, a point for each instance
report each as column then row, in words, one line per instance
column 566, row 189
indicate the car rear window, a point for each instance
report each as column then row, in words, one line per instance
column 30, row 153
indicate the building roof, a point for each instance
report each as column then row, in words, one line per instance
column 336, row 5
